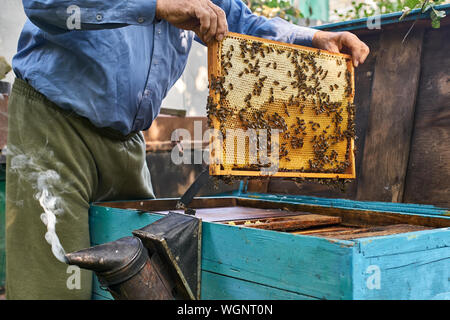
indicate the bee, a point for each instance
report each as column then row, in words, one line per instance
column 339, row 74
column 230, row 86
column 286, row 110
column 289, row 73
column 240, row 74
column 231, row 48
column 246, row 61
column 274, row 65
column 276, row 83
column 283, row 88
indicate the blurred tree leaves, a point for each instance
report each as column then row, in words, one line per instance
column 364, row 10
column 275, row 8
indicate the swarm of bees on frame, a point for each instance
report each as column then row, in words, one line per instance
column 299, row 92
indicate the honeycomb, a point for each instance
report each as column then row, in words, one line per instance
column 281, row 106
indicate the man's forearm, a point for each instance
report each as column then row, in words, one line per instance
column 242, row 20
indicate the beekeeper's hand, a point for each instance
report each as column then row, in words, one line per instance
column 344, row 42
column 206, row 19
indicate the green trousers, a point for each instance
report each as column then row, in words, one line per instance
column 58, row 163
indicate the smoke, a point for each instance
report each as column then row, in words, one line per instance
column 44, row 182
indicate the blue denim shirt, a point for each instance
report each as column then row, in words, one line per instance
column 118, row 67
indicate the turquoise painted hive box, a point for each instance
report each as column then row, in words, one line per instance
column 289, row 247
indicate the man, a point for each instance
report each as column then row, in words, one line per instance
column 77, row 108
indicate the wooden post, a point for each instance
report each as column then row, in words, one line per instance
column 428, row 175
column 391, row 117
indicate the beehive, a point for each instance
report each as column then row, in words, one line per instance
column 258, row 86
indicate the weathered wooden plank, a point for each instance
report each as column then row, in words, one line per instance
column 258, row 185
column 369, row 232
column 389, row 130
column 216, row 286
column 408, row 266
column 408, row 276
column 354, row 215
column 313, row 232
column 219, row 287
column 173, row 112
column 316, row 267
column 428, row 175
column 396, row 244
column 109, row 224
column 409, row 208
column 289, row 223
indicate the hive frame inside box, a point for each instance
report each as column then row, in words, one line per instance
column 215, row 70
column 246, row 263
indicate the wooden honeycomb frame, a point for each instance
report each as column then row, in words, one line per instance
column 220, row 66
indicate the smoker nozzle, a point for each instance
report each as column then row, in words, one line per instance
column 114, row 262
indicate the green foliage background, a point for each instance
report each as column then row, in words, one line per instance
column 363, row 10
column 275, row 8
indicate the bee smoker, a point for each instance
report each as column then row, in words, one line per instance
column 151, row 269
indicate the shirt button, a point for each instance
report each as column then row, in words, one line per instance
column 159, row 31
column 141, row 20
column 99, row 17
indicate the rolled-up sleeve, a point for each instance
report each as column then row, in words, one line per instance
column 242, row 20
column 61, row 15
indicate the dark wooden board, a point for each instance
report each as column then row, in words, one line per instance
column 297, row 222
column 428, row 175
column 356, row 233
column 314, row 231
column 170, row 204
column 356, row 217
column 391, row 117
